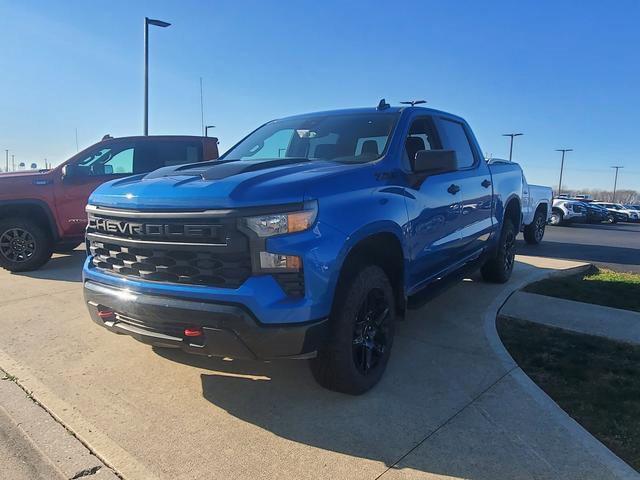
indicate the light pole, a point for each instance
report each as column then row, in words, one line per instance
column 511, row 144
column 206, row 129
column 13, row 163
column 615, row 183
column 6, row 165
column 157, row 23
column 563, row 150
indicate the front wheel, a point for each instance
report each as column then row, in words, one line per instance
column 534, row 232
column 24, row 245
column 361, row 333
column 499, row 267
column 556, row 218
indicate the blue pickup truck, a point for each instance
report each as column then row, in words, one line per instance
column 307, row 240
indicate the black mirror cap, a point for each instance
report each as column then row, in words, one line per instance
column 435, row 161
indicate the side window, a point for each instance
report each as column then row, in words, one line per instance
column 422, row 136
column 456, row 139
column 111, row 160
column 154, row 154
column 121, row 162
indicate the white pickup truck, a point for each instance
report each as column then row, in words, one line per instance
column 536, row 210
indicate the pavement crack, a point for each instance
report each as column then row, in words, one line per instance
column 86, row 472
column 448, row 420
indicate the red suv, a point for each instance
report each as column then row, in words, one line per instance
column 44, row 211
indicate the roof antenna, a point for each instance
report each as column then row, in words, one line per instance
column 413, row 103
column 383, row 105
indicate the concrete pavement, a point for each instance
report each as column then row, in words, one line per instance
column 613, row 323
column 452, row 403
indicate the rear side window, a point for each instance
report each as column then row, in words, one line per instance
column 166, row 153
column 456, row 139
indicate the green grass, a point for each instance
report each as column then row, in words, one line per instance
column 602, row 287
column 595, row 380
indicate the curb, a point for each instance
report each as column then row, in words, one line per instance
column 599, row 451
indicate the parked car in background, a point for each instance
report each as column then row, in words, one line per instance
column 598, row 214
column 44, row 211
column 305, row 241
column 622, row 214
column 566, row 211
column 536, row 210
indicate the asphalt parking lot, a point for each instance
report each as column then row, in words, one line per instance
column 612, row 246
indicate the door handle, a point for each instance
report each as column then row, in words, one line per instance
column 486, row 183
column 453, row 189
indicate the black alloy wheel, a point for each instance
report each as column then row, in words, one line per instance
column 371, row 332
column 17, row 245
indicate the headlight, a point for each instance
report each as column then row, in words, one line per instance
column 280, row 223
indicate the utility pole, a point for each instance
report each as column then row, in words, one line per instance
column 563, row 150
column 204, row 132
column 157, row 23
column 615, row 183
column 511, row 144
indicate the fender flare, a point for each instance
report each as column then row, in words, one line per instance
column 33, row 202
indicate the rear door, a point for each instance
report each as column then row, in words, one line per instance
column 474, row 179
column 158, row 153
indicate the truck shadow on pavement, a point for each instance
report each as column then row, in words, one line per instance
column 429, row 380
column 64, row 267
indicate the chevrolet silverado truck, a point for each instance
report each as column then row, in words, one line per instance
column 44, row 211
column 306, row 240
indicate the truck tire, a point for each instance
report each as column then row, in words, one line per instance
column 361, row 333
column 534, row 232
column 66, row 247
column 24, row 245
column 557, row 217
column 499, row 267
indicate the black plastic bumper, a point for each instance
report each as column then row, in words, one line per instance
column 228, row 330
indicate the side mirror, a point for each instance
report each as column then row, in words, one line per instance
column 435, row 161
column 71, row 172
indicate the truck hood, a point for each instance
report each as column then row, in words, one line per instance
column 217, row 184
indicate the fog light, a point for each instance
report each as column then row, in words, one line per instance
column 275, row 261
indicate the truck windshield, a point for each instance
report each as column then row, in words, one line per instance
column 348, row 138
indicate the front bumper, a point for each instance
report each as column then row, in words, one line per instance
column 228, row 330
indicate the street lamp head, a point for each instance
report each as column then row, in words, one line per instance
column 512, row 134
column 157, row 23
column 564, row 149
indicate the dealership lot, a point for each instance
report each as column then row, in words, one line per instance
column 611, row 246
column 449, row 406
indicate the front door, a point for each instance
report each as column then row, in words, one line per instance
column 434, row 204
column 105, row 162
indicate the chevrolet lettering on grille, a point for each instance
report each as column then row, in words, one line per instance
column 154, row 230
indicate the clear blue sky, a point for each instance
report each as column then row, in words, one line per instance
column 566, row 73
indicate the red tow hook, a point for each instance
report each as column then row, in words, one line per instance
column 106, row 314
column 193, row 332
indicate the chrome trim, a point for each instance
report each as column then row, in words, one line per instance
column 110, row 239
column 133, row 214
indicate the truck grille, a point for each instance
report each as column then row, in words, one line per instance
column 212, row 252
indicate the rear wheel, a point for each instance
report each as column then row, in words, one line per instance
column 362, row 327
column 534, row 233
column 499, row 267
column 24, row 245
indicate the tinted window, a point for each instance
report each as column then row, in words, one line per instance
column 112, row 160
column 422, row 136
column 348, row 138
column 456, row 139
column 165, row 153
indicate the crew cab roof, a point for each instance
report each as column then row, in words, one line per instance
column 374, row 110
